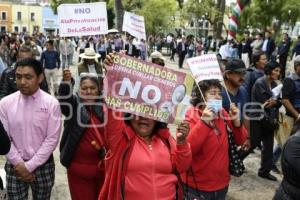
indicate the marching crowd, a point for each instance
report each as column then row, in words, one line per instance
column 113, row 155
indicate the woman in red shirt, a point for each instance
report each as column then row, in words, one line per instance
column 143, row 159
column 208, row 178
column 81, row 146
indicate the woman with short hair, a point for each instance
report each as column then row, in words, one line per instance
column 208, row 177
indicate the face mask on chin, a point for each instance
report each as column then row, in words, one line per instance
column 215, row 104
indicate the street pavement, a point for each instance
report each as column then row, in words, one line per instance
column 247, row 187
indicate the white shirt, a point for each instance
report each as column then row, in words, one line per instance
column 130, row 49
column 264, row 47
column 92, row 69
column 183, row 46
column 82, row 44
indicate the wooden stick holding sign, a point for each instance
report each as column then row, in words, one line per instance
column 206, row 67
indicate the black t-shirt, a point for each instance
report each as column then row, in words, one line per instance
column 288, row 89
column 288, row 92
column 291, row 160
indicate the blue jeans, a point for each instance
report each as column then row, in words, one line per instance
column 193, row 194
column 276, row 154
column 143, row 55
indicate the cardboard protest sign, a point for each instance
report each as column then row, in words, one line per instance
column 82, row 19
column 205, row 67
column 135, row 25
column 146, row 89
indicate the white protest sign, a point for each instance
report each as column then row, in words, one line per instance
column 135, row 25
column 205, row 67
column 82, row 19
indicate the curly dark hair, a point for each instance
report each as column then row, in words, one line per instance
column 204, row 86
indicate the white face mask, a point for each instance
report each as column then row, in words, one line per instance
column 215, row 104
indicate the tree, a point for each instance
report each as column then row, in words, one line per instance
column 158, row 14
column 261, row 14
column 119, row 13
column 212, row 10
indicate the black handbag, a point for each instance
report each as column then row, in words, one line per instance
column 236, row 165
column 270, row 120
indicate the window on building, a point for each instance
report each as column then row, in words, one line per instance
column 32, row 16
column 3, row 15
column 16, row 29
column 3, row 29
column 19, row 15
column 24, row 29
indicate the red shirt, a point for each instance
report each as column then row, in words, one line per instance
column 147, row 174
column 156, row 176
column 210, row 151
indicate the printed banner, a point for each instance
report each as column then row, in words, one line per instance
column 82, row 19
column 205, row 67
column 135, row 25
column 145, row 89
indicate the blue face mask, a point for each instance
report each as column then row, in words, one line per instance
column 215, row 104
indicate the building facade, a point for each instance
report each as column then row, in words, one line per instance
column 49, row 24
column 5, row 17
column 26, row 18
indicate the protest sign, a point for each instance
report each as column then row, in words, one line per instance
column 82, row 19
column 146, row 89
column 135, row 25
column 205, row 67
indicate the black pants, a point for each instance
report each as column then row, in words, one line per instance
column 259, row 134
column 282, row 61
column 286, row 191
column 181, row 60
column 172, row 54
column 1, row 184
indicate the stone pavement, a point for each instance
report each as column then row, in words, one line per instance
column 247, row 187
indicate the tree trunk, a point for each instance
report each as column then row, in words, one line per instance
column 119, row 12
column 219, row 21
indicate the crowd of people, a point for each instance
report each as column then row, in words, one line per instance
column 110, row 154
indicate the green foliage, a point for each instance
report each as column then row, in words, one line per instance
column 260, row 14
column 158, row 14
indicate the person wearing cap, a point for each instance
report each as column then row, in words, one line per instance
column 234, row 76
column 264, row 117
column 157, row 58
